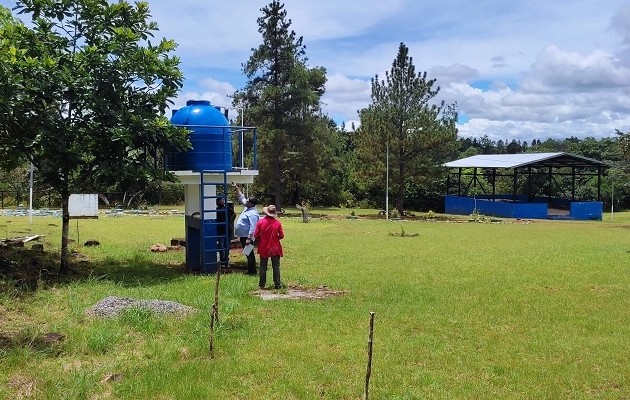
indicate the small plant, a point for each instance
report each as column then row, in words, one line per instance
column 478, row 217
column 394, row 214
column 403, row 233
column 353, row 214
column 431, row 214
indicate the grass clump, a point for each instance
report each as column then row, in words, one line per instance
column 403, row 233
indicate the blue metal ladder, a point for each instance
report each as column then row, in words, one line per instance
column 211, row 241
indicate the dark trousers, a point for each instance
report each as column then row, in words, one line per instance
column 224, row 249
column 275, row 265
column 251, row 258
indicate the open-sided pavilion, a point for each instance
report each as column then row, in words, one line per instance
column 542, row 185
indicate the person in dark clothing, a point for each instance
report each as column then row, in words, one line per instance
column 231, row 218
column 224, row 239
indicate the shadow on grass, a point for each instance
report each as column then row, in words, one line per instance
column 24, row 271
column 50, row 344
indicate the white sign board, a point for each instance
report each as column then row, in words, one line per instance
column 83, row 206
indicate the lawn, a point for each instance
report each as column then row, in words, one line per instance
column 509, row 310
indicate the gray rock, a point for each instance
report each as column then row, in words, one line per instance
column 112, row 306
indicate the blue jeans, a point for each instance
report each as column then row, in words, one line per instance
column 275, row 265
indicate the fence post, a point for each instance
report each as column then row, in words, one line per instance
column 369, row 365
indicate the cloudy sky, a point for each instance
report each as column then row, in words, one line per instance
column 529, row 69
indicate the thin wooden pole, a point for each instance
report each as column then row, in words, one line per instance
column 216, row 293
column 369, row 365
column 212, row 316
column 214, row 312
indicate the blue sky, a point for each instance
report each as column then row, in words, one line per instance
column 524, row 70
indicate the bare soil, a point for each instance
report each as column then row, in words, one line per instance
column 298, row 293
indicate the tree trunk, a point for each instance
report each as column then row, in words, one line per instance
column 65, row 228
column 277, row 182
column 302, row 208
column 104, row 199
column 296, row 192
column 400, row 193
column 137, row 196
column 400, row 199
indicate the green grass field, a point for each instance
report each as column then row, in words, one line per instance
column 510, row 310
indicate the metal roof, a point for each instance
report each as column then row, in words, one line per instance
column 525, row 160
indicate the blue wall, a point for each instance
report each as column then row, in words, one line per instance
column 504, row 207
column 587, row 210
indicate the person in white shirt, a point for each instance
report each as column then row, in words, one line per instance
column 245, row 225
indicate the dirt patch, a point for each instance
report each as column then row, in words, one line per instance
column 298, row 293
column 48, row 343
column 23, row 387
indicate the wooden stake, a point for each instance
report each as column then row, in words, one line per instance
column 216, row 293
column 369, row 365
column 212, row 316
column 214, row 312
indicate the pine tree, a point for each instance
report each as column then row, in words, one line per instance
column 282, row 98
column 405, row 122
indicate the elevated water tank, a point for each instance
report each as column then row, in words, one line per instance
column 211, row 139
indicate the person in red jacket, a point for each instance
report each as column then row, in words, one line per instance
column 268, row 233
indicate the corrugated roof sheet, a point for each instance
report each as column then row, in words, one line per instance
column 523, row 160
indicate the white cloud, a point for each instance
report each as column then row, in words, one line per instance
column 528, row 130
column 620, row 22
column 559, row 71
column 517, row 70
column 218, row 93
column 453, row 73
column 345, row 96
column 222, row 88
column 352, row 125
column 333, row 19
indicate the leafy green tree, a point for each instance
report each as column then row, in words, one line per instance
column 313, row 167
column 15, row 183
column 621, row 172
column 524, row 146
column 83, row 95
column 487, row 145
column 549, row 146
column 500, row 147
column 282, row 98
column 624, row 146
column 405, row 122
column 514, row 147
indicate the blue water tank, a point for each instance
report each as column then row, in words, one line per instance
column 211, row 139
